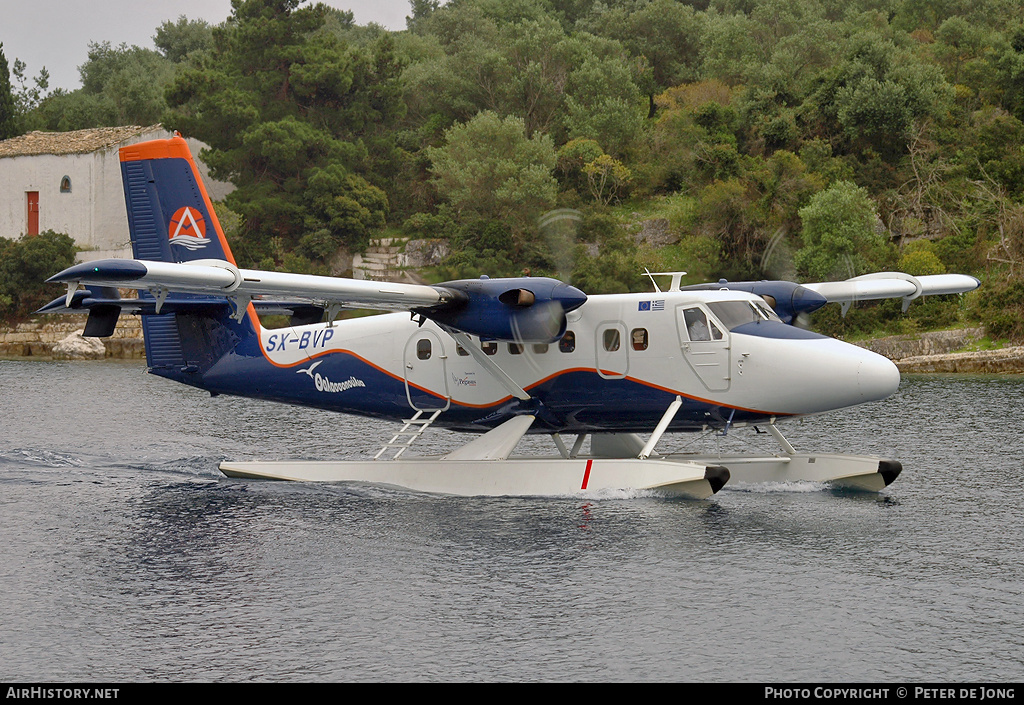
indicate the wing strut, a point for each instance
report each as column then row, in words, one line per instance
column 488, row 364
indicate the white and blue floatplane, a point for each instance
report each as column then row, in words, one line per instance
column 499, row 357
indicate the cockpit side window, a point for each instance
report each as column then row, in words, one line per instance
column 699, row 327
column 768, row 311
column 696, row 324
column 736, row 313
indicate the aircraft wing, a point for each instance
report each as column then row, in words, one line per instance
column 530, row 309
column 892, row 285
column 221, row 277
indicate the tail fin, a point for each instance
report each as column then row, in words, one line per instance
column 171, row 219
column 170, row 215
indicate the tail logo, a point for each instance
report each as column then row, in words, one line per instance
column 188, row 229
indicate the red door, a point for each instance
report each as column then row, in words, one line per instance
column 33, row 212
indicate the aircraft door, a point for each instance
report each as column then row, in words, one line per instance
column 611, row 345
column 705, row 346
column 425, row 365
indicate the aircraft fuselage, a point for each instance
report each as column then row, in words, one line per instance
column 623, row 360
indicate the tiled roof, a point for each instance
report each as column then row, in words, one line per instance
column 75, row 142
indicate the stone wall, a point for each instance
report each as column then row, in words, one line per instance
column 897, row 347
column 933, row 353
column 38, row 337
column 1002, row 361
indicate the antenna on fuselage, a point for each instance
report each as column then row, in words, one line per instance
column 677, row 279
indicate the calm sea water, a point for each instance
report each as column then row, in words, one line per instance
column 126, row 557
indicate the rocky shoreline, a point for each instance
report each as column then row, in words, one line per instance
column 932, row 353
column 61, row 339
column 916, row 353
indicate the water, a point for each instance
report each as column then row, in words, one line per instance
column 126, row 557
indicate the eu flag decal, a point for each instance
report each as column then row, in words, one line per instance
column 644, row 306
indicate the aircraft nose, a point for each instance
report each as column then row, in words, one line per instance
column 877, row 377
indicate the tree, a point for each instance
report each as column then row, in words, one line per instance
column 8, row 113
column 299, row 121
column 604, row 104
column 608, row 178
column 489, row 169
column 178, row 40
column 872, row 98
column 28, row 95
column 838, row 233
column 25, row 264
column 121, row 85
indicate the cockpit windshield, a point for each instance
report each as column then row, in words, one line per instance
column 736, row 313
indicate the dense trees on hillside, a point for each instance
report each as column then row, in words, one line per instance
column 302, row 122
column 808, row 138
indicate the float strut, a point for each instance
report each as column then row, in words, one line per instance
column 562, row 450
column 670, row 414
column 578, row 445
column 780, row 439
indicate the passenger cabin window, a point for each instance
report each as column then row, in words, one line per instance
column 423, row 349
column 698, row 327
column 611, row 339
column 540, row 348
column 515, row 349
column 639, row 338
column 568, row 342
column 490, row 347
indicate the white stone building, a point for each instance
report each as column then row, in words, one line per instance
column 70, row 182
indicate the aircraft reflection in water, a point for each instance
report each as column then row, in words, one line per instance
column 503, row 357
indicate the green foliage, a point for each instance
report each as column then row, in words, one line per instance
column 8, row 112
column 301, row 123
column 573, row 156
column 489, row 169
column 25, row 265
column 177, row 41
column 607, row 178
column 700, row 257
column 919, row 259
column 839, row 234
column 120, row 86
column 615, row 268
column 604, row 104
column 28, row 95
column 1000, row 304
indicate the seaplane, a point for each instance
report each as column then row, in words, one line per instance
column 501, row 358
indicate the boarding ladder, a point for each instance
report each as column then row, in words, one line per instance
column 408, row 434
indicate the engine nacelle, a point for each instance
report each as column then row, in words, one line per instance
column 789, row 299
column 519, row 309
